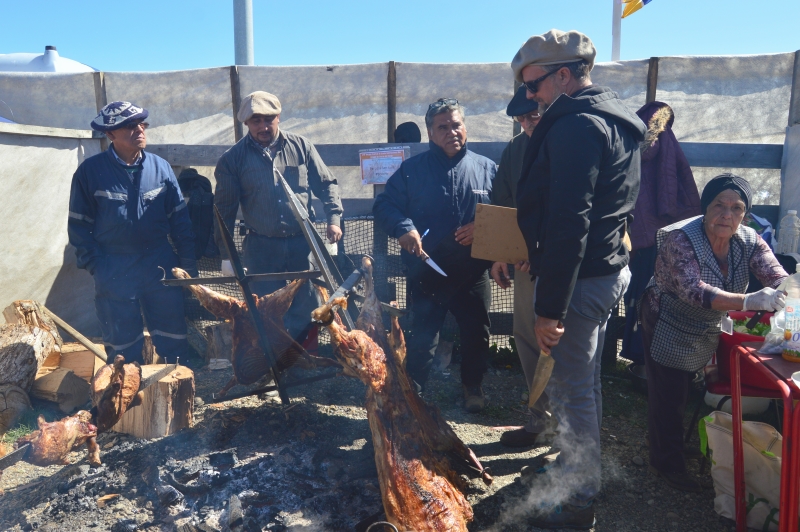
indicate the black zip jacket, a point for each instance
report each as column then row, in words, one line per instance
column 579, row 182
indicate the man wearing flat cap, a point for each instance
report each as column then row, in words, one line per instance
column 247, row 177
column 504, row 194
column 578, row 185
column 123, row 205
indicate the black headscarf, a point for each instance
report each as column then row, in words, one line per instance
column 726, row 181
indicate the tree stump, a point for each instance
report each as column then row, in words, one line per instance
column 13, row 403
column 31, row 313
column 63, row 387
column 23, row 349
column 167, row 406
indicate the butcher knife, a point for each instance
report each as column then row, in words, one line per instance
column 760, row 314
column 429, row 261
column 544, row 368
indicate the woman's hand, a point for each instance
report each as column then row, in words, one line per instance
column 767, row 299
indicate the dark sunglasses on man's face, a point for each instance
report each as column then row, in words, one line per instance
column 135, row 125
column 529, row 117
column 533, row 86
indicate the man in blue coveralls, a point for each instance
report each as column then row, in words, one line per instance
column 433, row 196
column 123, row 204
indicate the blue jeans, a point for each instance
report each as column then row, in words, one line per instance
column 264, row 254
column 574, row 388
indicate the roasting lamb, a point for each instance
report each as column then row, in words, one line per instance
column 249, row 364
column 53, row 441
column 413, row 444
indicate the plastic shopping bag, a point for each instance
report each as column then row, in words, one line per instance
column 762, row 468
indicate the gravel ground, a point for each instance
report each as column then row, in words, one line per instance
column 310, row 467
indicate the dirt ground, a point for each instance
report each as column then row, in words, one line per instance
column 252, row 464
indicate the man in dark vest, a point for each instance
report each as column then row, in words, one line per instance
column 578, row 185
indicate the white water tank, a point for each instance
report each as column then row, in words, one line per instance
column 49, row 61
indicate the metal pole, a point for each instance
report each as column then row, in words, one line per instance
column 243, row 31
column 616, row 30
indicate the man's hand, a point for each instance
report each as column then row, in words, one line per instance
column 411, row 242
column 548, row 333
column 500, row 274
column 464, row 234
column 523, row 266
column 334, row 233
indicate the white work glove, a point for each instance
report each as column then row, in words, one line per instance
column 767, row 299
column 227, row 269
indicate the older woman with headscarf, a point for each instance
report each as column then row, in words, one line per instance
column 702, row 270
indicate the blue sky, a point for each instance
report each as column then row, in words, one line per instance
column 150, row 35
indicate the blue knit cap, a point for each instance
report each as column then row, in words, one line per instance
column 117, row 114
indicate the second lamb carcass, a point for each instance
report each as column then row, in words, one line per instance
column 413, row 444
column 52, row 442
column 247, row 359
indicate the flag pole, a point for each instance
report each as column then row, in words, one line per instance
column 616, row 30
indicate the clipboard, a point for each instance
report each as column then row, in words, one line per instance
column 497, row 236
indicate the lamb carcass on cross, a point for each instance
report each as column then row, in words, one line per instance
column 415, row 449
column 248, row 360
column 52, row 442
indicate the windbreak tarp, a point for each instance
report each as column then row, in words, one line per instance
column 48, row 99
column 186, row 107
column 343, row 104
column 37, row 261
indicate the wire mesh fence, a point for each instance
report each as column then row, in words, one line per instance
column 360, row 237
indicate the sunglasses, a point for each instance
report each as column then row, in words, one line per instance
column 442, row 102
column 135, row 125
column 529, row 117
column 533, row 86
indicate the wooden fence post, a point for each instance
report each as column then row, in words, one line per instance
column 652, row 80
column 794, row 100
column 236, row 101
column 100, row 101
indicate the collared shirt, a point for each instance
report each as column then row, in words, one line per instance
column 247, row 176
column 130, row 168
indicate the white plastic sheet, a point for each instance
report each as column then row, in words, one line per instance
column 48, row 99
column 186, row 106
column 37, row 261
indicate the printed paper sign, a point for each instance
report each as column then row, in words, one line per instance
column 377, row 166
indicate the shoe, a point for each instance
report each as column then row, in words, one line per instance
column 566, row 516
column 474, row 401
column 541, row 464
column 519, row 438
column 679, row 481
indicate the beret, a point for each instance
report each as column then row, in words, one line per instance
column 117, row 114
column 258, row 103
column 520, row 104
column 554, row 48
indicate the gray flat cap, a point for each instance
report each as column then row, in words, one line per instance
column 554, row 48
column 258, row 103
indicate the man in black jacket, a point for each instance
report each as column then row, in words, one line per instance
column 579, row 183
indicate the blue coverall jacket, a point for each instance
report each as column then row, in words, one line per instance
column 119, row 220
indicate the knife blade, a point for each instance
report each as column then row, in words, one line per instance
column 760, row 314
column 429, row 262
column 544, row 368
column 14, row 456
column 157, row 376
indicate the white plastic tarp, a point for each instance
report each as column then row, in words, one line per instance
column 37, row 261
column 48, row 99
column 186, row 106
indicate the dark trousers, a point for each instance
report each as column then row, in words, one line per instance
column 470, row 306
column 667, row 394
column 264, row 254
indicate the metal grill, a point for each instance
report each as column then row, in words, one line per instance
column 360, row 237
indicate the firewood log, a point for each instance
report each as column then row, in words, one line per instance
column 13, row 403
column 31, row 313
column 23, row 350
column 62, row 387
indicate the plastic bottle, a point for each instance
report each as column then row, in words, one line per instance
column 790, row 233
column 791, row 333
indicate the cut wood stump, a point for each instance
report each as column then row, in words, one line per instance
column 31, row 313
column 13, row 403
column 23, row 350
column 167, row 406
column 81, row 361
column 63, row 387
column 220, row 341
